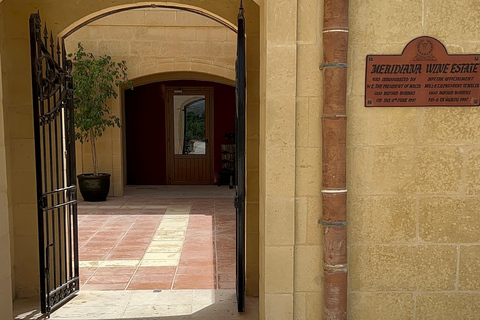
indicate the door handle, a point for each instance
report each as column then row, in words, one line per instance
column 206, row 142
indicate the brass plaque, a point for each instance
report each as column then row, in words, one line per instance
column 423, row 75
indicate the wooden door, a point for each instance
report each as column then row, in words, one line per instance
column 190, row 135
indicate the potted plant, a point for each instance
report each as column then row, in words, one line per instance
column 94, row 82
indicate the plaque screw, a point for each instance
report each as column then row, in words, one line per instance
column 370, row 59
column 476, row 58
column 475, row 101
column 369, row 101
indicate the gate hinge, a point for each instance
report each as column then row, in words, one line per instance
column 236, row 202
column 42, row 202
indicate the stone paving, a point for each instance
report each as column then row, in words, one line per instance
column 162, row 252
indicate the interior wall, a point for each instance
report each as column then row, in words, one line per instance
column 145, row 128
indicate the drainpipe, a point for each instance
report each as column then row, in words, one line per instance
column 334, row 188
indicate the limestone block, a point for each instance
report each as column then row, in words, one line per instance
column 473, row 173
column 469, row 273
column 23, row 154
column 118, row 47
column 194, row 19
column 252, row 252
column 151, row 33
column 280, row 172
column 163, row 17
column 308, row 268
column 302, row 123
column 278, row 306
column 357, row 52
column 446, row 306
column 314, row 228
column 381, row 170
column 213, row 33
column 180, row 34
column 380, row 22
column 301, row 208
column 464, row 23
column 26, row 266
column 252, row 154
column 3, row 171
column 146, row 48
column 380, row 126
column 252, row 217
column 280, row 123
column 25, row 220
column 281, row 22
column 314, row 121
column 367, row 306
column 308, row 73
column 381, row 219
column 459, row 126
column 309, row 15
column 24, row 187
column 253, row 119
column 314, row 305
column 402, row 267
column 278, row 269
column 6, row 297
column 308, row 171
column 125, row 18
column 449, row 220
column 252, row 281
column 22, row 117
column 438, row 170
column 281, row 71
column 17, row 55
column 279, row 221
column 252, row 179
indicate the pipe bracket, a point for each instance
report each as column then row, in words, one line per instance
column 333, row 223
column 334, row 65
column 335, row 268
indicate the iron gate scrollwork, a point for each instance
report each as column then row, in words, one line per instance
column 52, row 89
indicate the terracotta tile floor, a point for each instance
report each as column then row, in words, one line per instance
column 158, row 238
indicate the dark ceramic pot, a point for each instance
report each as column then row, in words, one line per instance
column 94, row 187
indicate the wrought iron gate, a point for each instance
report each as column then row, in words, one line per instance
column 55, row 167
column 240, row 84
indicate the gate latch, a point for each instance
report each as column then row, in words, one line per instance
column 236, row 202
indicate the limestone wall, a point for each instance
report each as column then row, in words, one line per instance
column 5, row 211
column 413, row 176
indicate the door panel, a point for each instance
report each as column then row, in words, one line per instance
column 190, row 142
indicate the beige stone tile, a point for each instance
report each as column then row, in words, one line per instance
column 281, row 25
column 159, row 263
column 310, row 78
column 464, row 28
column 281, row 72
column 180, row 34
column 308, row 172
column 118, row 263
column 161, row 256
column 446, row 306
column 279, row 221
column 308, row 268
column 252, row 218
column 301, row 217
column 161, row 17
column 280, row 172
column 22, row 117
column 367, row 306
column 23, row 187
column 119, row 47
column 252, row 185
column 278, row 306
column 381, row 170
column 309, row 13
column 314, row 308
column 279, row 269
column 302, row 123
column 473, row 172
column 129, row 18
column 402, row 267
column 438, row 170
column 449, row 219
column 373, row 22
column 459, row 126
column 469, row 273
column 381, row 219
column 25, row 219
column 381, row 126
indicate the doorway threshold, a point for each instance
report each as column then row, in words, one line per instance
column 147, row 305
